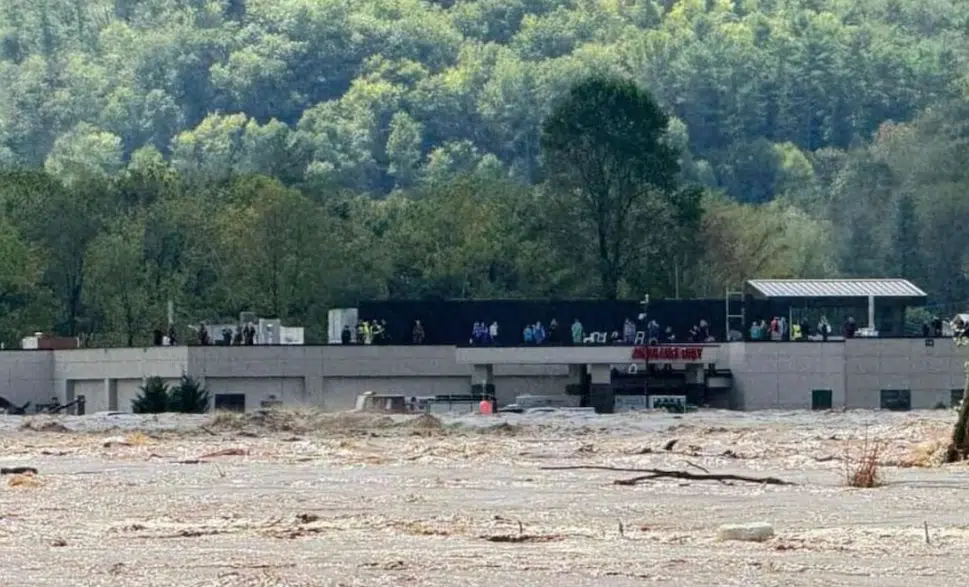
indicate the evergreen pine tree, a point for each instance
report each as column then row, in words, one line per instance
column 153, row 398
column 189, row 397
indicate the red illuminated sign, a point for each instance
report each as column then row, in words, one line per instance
column 689, row 354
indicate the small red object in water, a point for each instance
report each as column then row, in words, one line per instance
column 485, row 407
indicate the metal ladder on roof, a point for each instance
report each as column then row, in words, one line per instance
column 736, row 314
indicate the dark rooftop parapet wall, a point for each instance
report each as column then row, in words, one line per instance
column 451, row 321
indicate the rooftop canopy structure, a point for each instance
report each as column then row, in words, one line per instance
column 883, row 300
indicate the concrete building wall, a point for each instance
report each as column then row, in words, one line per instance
column 289, row 390
column 766, row 375
column 857, row 371
column 27, row 376
column 94, row 391
column 109, row 378
column 134, row 363
column 333, row 376
column 769, row 375
column 930, row 373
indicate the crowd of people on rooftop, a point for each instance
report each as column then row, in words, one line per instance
column 241, row 335
column 632, row 332
column 368, row 332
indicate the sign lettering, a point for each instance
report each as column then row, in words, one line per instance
column 688, row 354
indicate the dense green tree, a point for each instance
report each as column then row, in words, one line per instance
column 62, row 219
column 610, row 172
column 24, row 307
column 275, row 246
column 293, row 155
column 816, row 76
column 86, row 150
column 906, row 249
column 404, row 149
column 117, row 287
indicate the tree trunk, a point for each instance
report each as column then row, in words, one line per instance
column 959, row 447
column 610, row 284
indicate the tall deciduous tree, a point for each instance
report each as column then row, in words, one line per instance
column 611, row 169
column 117, row 281
column 273, row 250
column 905, row 241
column 24, row 307
column 63, row 220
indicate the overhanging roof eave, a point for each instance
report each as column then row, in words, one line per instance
column 881, row 288
column 894, row 300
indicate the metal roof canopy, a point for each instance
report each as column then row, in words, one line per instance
column 901, row 291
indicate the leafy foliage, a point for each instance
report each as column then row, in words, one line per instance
column 288, row 156
column 188, row 397
column 612, row 175
column 153, row 398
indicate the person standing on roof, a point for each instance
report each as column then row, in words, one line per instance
column 578, row 333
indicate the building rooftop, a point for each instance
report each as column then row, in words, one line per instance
column 833, row 288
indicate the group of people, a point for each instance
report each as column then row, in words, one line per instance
column 935, row 329
column 160, row 338
column 243, row 334
column 775, row 329
column 482, row 333
column 698, row 333
column 778, row 329
column 537, row 333
column 367, row 332
column 376, row 332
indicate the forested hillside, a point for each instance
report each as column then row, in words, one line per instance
column 286, row 156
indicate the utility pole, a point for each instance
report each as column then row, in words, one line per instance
column 645, row 314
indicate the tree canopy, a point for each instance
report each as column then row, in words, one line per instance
column 287, row 156
column 612, row 176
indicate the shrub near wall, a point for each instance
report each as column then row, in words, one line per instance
column 188, row 397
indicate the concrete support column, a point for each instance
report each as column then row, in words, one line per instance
column 696, row 377
column 483, row 374
column 601, row 395
column 574, row 382
column 575, row 373
column 111, row 389
column 871, row 312
column 483, row 380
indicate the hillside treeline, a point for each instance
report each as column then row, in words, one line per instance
column 289, row 155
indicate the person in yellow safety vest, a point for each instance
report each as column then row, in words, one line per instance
column 795, row 331
column 367, row 333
